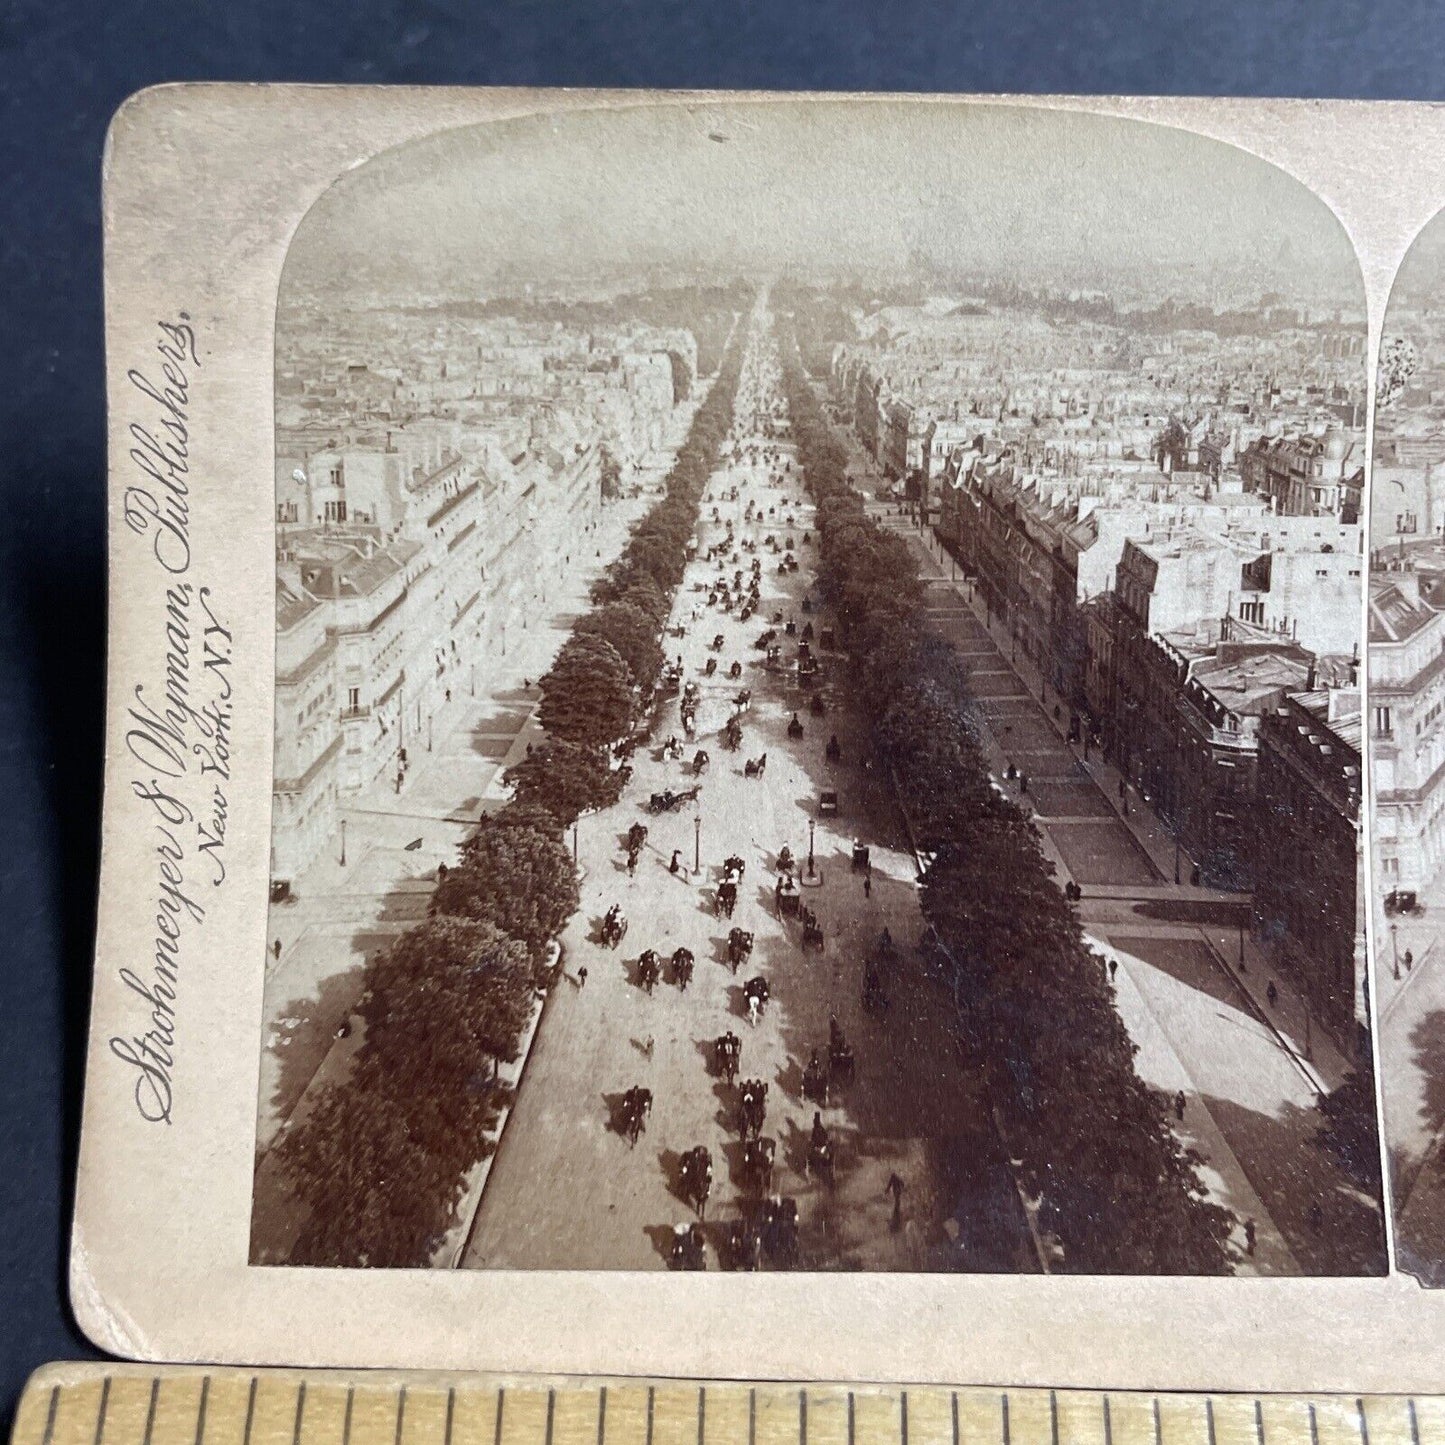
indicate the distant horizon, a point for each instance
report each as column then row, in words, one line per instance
column 943, row 194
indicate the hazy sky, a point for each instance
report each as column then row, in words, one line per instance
column 1421, row 277
column 745, row 187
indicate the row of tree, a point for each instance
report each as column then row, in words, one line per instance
column 1115, row 1187
column 605, row 675
column 378, row 1166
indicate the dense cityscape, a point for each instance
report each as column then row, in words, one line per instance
column 802, row 743
column 1141, row 546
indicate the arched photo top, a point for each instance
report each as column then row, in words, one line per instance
column 940, row 192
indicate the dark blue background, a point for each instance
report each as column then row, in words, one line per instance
column 65, row 68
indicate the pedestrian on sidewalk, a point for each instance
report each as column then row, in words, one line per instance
column 1272, row 994
column 1250, row 1235
column 1408, row 960
column 632, row 865
column 675, row 865
column 1179, row 1102
column 895, row 1187
column 867, row 885
column 1023, row 782
column 276, row 949
column 1113, row 968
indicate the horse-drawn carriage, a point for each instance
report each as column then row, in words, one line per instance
column 833, row 752
column 778, row 1230
column 710, row 667
column 861, row 857
column 636, row 1106
column 752, row 1108
column 727, row 1055
column 732, row 735
column 759, row 1157
column 716, row 645
column 821, row 1160
column 795, row 728
column 649, row 970
column 694, row 1178
column 816, row 705
column 614, row 926
column 668, row 800
column 755, row 995
column 699, row 762
column 755, row 767
column 812, row 936
column 726, row 899
column 786, row 895
column 740, row 947
column 689, row 1247
column 735, row 671
column 682, row 963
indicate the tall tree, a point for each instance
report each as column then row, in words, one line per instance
column 519, row 879
column 565, row 778
column 632, row 632
column 587, row 693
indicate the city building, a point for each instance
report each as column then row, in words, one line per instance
column 1308, row 908
column 1407, row 725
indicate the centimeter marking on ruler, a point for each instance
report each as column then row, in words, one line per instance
column 130, row 1405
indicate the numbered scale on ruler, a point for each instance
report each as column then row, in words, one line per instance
column 139, row 1405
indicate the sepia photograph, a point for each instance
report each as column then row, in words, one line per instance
column 818, row 704
column 1407, row 746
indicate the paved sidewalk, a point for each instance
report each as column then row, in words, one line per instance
column 394, row 840
column 1315, row 1051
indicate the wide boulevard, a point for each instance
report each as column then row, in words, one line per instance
column 566, row 1190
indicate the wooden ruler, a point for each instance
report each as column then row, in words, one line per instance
column 140, row 1405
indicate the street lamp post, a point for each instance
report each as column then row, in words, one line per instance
column 1395, row 948
column 810, row 847
column 343, row 853
column 574, row 842
column 428, row 732
column 697, row 843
